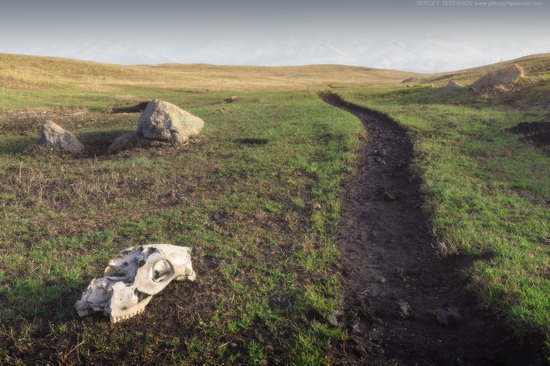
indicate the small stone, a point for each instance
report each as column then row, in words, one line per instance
column 404, row 309
column 335, row 318
column 232, row 99
column 449, row 317
column 126, row 141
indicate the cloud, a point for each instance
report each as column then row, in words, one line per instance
column 404, row 53
column 106, row 51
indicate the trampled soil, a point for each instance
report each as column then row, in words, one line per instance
column 536, row 132
column 404, row 305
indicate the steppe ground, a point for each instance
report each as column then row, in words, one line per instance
column 259, row 199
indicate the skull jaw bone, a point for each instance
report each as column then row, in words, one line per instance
column 133, row 277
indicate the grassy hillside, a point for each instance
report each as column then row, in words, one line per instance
column 31, row 72
column 535, row 66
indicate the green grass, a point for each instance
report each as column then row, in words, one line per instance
column 486, row 190
column 260, row 218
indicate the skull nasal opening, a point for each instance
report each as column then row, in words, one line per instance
column 162, row 270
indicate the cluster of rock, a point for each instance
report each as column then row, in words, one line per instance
column 491, row 81
column 412, row 79
column 160, row 121
column 504, row 75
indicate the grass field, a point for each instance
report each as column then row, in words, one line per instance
column 258, row 198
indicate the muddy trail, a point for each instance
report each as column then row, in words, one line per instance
column 404, row 305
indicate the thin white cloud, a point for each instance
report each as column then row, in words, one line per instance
column 422, row 55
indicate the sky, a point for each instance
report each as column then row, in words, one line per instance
column 413, row 35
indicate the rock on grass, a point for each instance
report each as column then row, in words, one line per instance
column 56, row 137
column 451, row 85
column 165, row 121
column 127, row 141
column 504, row 75
column 412, row 79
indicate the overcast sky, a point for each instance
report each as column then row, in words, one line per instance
column 405, row 34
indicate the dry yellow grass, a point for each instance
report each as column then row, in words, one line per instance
column 23, row 72
column 19, row 72
column 534, row 66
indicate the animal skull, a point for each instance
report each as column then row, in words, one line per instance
column 133, row 277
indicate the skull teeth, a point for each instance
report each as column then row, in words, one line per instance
column 128, row 285
column 128, row 316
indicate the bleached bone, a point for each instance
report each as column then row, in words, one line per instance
column 133, row 277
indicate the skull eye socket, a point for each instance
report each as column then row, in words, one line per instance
column 162, row 270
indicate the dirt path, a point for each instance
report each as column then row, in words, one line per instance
column 404, row 305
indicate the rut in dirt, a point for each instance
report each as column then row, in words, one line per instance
column 404, row 305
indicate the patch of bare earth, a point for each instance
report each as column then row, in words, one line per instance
column 536, row 132
column 32, row 118
column 404, row 304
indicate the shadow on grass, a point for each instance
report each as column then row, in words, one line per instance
column 29, row 299
column 16, row 145
column 420, row 95
column 95, row 144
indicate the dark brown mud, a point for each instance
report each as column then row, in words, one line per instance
column 537, row 133
column 404, row 304
column 138, row 108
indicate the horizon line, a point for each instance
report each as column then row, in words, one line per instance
column 542, row 54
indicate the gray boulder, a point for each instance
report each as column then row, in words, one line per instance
column 232, row 99
column 56, row 137
column 452, row 85
column 127, row 141
column 165, row 121
column 412, row 79
column 504, row 75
